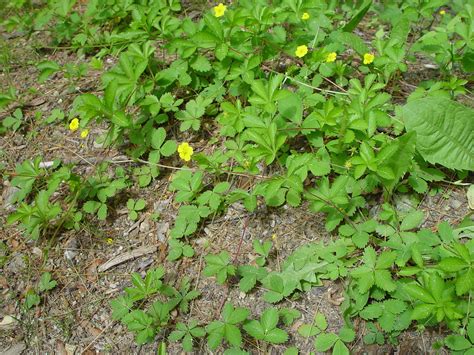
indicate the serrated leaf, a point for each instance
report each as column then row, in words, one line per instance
column 347, row 334
column 308, row 330
column 422, row 311
column 457, row 342
column 383, row 279
column 340, row 348
column 412, row 220
column 372, row 311
column 276, row 336
column 120, row 307
column 201, row 64
column 452, row 264
column 445, row 131
column 325, row 341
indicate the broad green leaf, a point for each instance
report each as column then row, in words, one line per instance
column 352, row 24
column 452, row 264
column 445, row 131
column 412, row 220
column 422, row 311
column 276, row 336
column 457, row 342
column 372, row 311
column 468, row 61
column 325, row 341
column 418, row 293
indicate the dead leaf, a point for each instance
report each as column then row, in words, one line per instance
column 470, row 197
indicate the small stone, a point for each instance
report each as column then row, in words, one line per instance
column 242, row 295
column 202, row 241
column 7, row 323
column 456, row 204
column 162, row 231
column 70, row 255
column 37, row 251
column 144, row 226
column 8, row 197
column 16, row 263
column 160, row 206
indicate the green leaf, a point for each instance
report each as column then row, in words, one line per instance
column 468, row 61
column 452, row 264
column 276, row 336
column 121, row 119
column 255, row 329
column 340, row 348
column 352, row 24
column 46, row 283
column 293, row 350
column 347, row 334
column 168, row 148
column 291, row 107
column 201, row 64
column 308, row 330
column 445, row 131
column 397, row 157
column 233, row 335
column 120, row 307
column 457, row 342
column 422, row 311
column 140, row 204
column 325, row 341
column 418, row 293
column 47, row 68
column 102, row 212
column 372, row 311
column 412, row 220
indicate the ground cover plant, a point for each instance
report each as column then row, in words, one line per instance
column 337, row 109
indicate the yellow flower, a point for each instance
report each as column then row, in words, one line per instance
column 348, row 164
column 368, row 58
column 219, row 10
column 305, row 16
column 301, row 51
column 74, row 125
column 109, row 240
column 185, row 151
column 84, row 133
column 331, row 57
column 442, row 12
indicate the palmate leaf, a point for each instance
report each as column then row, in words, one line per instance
column 445, row 131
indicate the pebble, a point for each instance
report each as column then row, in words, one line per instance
column 160, row 206
column 456, row 204
column 16, row 263
column 144, row 226
column 37, row 251
column 162, row 231
column 8, row 197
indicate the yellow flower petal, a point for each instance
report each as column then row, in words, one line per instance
column 301, row 51
column 74, row 125
column 331, row 57
column 219, row 10
column 305, row 16
column 442, row 12
column 84, row 133
column 185, row 151
column 368, row 58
